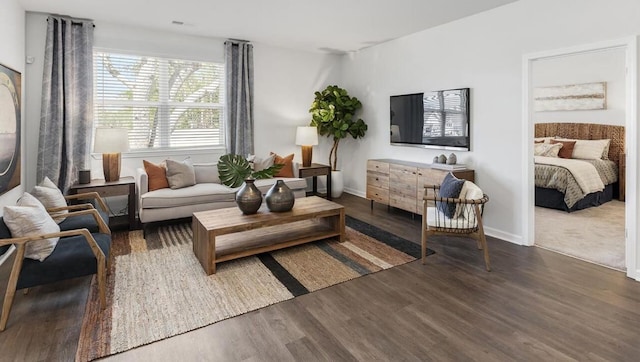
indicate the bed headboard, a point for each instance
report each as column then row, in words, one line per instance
column 586, row 131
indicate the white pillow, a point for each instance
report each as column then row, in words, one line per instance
column 590, row 149
column 469, row 191
column 543, row 139
column 546, row 149
column 50, row 196
column 30, row 218
column 259, row 164
column 180, row 174
column 206, row 173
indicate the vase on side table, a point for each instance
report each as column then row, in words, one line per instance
column 249, row 198
column 280, row 198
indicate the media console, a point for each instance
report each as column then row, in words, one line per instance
column 401, row 183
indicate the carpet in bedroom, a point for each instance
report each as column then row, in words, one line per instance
column 595, row 234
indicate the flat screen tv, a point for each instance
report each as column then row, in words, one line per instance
column 438, row 119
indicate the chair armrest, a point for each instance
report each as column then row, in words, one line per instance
column 453, row 200
column 89, row 195
column 102, row 226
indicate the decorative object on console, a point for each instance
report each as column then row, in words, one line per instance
column 586, row 96
column 436, row 159
column 280, row 197
column 84, row 176
column 111, row 142
column 442, row 159
column 452, row 160
column 307, row 137
column 249, row 198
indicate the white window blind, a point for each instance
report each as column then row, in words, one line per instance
column 165, row 103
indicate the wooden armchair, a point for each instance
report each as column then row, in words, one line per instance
column 79, row 252
column 466, row 221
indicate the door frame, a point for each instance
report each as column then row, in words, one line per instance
column 630, row 45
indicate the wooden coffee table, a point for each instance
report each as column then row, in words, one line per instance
column 226, row 234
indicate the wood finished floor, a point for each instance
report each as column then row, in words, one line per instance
column 535, row 305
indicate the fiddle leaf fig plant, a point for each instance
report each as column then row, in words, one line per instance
column 234, row 169
column 332, row 112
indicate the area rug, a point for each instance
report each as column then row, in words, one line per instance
column 157, row 288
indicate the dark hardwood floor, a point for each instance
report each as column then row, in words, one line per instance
column 535, row 305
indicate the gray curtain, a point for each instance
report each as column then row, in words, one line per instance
column 66, row 118
column 239, row 93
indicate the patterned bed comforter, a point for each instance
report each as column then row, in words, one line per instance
column 561, row 179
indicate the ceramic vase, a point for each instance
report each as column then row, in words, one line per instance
column 280, row 198
column 337, row 184
column 249, row 198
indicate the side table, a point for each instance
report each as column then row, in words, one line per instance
column 314, row 171
column 124, row 186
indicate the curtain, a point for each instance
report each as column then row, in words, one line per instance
column 66, row 118
column 239, row 92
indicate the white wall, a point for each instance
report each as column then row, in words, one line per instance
column 12, row 55
column 602, row 66
column 483, row 52
column 284, row 84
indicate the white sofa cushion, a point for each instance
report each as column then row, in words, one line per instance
column 190, row 195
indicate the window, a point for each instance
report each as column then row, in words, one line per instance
column 165, row 103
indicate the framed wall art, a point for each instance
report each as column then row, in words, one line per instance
column 573, row 97
column 10, row 119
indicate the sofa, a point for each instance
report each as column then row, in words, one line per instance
column 208, row 193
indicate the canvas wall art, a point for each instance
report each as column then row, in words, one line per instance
column 10, row 118
column 586, row 96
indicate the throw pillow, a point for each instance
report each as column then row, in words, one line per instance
column 287, row 170
column 589, row 149
column 50, row 196
column 450, row 187
column 259, row 164
column 206, row 173
column 157, row 175
column 547, row 149
column 566, row 151
column 180, row 174
column 29, row 218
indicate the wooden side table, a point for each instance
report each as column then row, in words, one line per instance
column 124, row 186
column 314, row 171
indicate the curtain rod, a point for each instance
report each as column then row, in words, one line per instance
column 75, row 21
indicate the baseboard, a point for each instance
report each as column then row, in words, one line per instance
column 499, row 234
column 355, row 192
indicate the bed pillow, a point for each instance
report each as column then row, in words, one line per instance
column 589, row 149
column 51, row 197
column 180, row 174
column 542, row 139
column 567, row 148
column 450, row 187
column 547, row 149
column 29, row 218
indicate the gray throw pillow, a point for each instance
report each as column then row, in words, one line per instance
column 180, row 174
column 450, row 187
column 206, row 173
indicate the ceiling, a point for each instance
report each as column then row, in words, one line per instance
column 325, row 25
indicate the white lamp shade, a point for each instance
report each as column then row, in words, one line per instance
column 111, row 140
column 307, row 136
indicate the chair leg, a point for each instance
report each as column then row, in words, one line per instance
column 482, row 239
column 25, row 291
column 11, row 286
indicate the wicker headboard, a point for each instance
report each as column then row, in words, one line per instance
column 586, row 131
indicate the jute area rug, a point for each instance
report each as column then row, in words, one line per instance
column 157, row 289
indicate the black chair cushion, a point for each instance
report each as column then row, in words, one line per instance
column 71, row 258
column 84, row 221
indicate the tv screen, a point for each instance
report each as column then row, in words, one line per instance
column 438, row 119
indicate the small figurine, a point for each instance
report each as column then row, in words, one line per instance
column 452, row 159
column 442, row 159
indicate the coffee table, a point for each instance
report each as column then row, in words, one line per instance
column 226, row 234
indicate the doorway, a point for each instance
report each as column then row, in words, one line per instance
column 629, row 46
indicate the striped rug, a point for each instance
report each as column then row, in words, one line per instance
column 157, row 288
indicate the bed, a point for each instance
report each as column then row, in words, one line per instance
column 575, row 184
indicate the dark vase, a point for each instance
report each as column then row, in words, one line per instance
column 249, row 198
column 280, row 197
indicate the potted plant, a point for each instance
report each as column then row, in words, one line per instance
column 332, row 112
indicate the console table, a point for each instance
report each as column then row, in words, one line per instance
column 400, row 183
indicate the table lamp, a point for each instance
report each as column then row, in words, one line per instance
column 110, row 142
column 307, row 137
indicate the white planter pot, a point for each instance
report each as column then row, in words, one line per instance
column 337, row 184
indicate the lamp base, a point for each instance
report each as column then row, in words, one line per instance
column 111, row 166
column 307, row 152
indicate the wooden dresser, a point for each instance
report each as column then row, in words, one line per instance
column 401, row 183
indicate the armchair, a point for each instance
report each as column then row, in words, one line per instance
column 79, row 252
column 466, row 221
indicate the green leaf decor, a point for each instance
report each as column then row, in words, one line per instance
column 234, row 169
